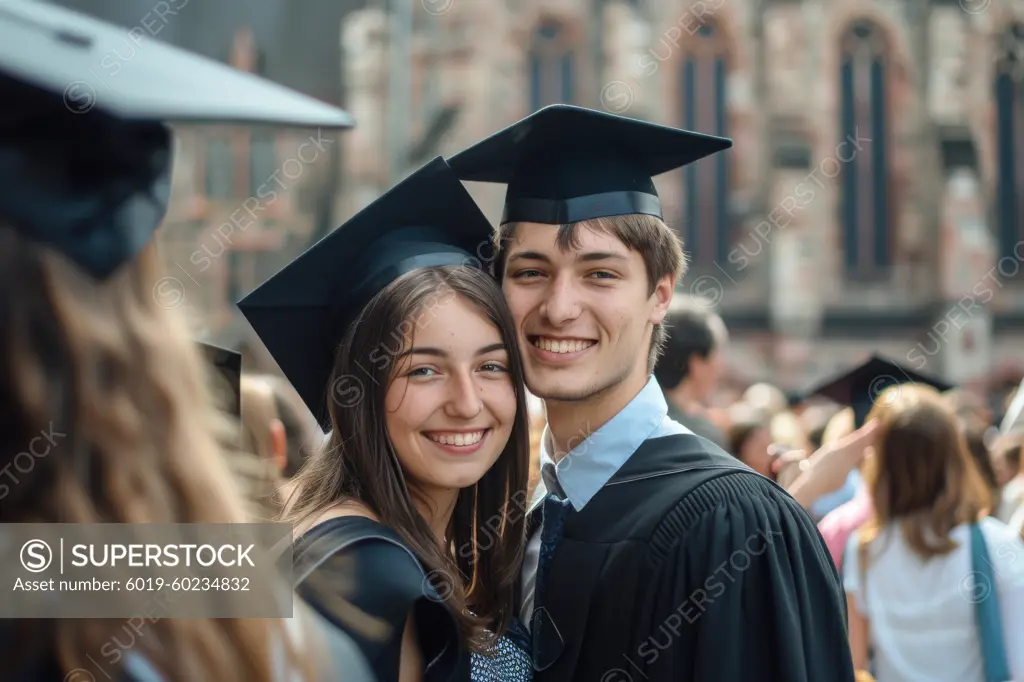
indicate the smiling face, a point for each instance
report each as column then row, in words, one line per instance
column 584, row 315
column 451, row 405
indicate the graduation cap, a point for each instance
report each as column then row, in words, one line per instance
column 861, row 386
column 564, row 164
column 85, row 160
column 227, row 367
column 302, row 313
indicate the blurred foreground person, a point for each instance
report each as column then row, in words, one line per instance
column 916, row 576
column 691, row 365
column 409, row 357
column 87, row 352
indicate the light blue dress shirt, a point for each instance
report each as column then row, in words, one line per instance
column 593, row 460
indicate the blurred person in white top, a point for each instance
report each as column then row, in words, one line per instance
column 907, row 571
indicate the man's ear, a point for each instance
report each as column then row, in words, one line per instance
column 279, row 443
column 662, row 296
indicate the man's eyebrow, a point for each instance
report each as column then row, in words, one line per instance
column 528, row 255
column 585, row 257
column 599, row 255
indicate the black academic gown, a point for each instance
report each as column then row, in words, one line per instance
column 688, row 565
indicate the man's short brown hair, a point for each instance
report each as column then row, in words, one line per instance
column 657, row 243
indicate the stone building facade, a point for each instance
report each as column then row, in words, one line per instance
column 871, row 201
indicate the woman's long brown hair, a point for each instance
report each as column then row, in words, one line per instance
column 486, row 535
column 922, row 477
column 119, row 378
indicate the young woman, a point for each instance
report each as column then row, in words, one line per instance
column 414, row 509
column 908, row 571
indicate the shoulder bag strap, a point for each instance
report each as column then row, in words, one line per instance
column 986, row 608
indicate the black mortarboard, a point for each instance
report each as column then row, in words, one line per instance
column 84, row 157
column 564, row 164
column 302, row 312
column 861, row 386
column 227, row 368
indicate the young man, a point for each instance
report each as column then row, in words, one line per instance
column 691, row 365
column 660, row 557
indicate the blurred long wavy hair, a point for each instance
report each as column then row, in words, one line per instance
column 484, row 546
column 117, row 376
column 922, row 477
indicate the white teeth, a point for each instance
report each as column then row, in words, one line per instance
column 462, row 439
column 562, row 346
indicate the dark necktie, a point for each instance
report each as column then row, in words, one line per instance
column 547, row 641
column 552, row 529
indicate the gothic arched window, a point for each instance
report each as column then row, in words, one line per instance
column 1010, row 147
column 862, row 151
column 706, row 228
column 551, row 66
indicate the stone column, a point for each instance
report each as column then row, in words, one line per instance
column 958, row 345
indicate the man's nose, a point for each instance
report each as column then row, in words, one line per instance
column 562, row 304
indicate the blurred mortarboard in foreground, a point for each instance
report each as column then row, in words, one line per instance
column 861, row 386
column 227, row 367
column 53, row 49
column 302, row 312
column 85, row 159
column 564, row 164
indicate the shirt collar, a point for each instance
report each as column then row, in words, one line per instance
column 595, row 457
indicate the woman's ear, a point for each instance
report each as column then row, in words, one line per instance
column 279, row 444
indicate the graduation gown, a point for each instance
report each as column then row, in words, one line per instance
column 367, row 564
column 688, row 565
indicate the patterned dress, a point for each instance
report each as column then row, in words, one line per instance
column 510, row 660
